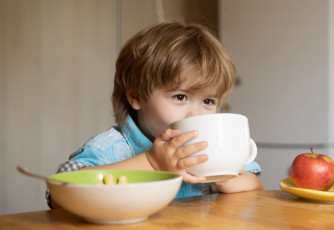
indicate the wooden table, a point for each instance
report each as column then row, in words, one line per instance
column 247, row 210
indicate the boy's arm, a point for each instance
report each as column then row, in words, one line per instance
column 139, row 162
column 165, row 155
column 245, row 182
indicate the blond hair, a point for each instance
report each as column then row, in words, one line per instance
column 156, row 56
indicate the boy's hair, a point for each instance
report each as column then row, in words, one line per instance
column 156, row 56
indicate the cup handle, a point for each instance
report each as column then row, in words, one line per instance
column 253, row 152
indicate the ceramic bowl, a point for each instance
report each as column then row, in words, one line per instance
column 84, row 194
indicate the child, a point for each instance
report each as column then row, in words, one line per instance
column 166, row 72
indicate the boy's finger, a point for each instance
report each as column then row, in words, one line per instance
column 168, row 134
column 191, row 179
column 187, row 150
column 191, row 161
column 183, row 138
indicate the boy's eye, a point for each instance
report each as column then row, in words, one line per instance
column 209, row 102
column 180, row 97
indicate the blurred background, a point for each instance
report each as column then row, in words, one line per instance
column 57, row 60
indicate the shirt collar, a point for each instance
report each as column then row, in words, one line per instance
column 139, row 142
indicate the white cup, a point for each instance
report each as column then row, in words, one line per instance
column 230, row 147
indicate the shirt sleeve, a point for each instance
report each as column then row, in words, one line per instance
column 70, row 166
column 253, row 167
column 91, row 155
column 67, row 166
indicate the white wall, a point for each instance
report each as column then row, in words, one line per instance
column 331, row 73
column 57, row 65
column 283, row 51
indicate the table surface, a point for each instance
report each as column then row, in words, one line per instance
column 268, row 209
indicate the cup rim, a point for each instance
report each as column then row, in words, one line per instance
column 208, row 115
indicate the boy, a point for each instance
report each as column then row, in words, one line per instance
column 166, row 72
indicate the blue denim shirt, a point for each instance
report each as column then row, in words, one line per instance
column 116, row 145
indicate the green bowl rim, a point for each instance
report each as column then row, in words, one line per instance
column 176, row 177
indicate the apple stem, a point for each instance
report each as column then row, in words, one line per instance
column 312, row 151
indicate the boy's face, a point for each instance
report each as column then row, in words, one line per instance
column 164, row 106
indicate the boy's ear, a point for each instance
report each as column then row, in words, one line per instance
column 133, row 99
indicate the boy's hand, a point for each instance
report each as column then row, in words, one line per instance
column 246, row 181
column 167, row 154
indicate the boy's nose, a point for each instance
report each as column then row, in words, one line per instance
column 194, row 111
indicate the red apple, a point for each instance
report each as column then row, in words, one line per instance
column 313, row 171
